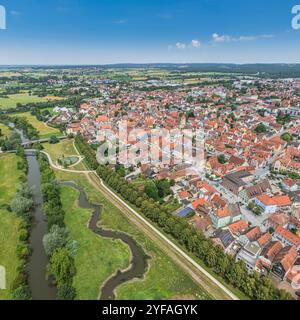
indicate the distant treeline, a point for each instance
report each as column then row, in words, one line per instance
column 274, row 70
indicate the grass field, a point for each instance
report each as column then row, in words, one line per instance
column 63, row 148
column 44, row 130
column 164, row 280
column 9, row 222
column 4, row 130
column 23, row 98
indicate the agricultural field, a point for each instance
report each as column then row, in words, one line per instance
column 44, row 130
column 164, row 279
column 8, row 74
column 9, row 222
column 14, row 99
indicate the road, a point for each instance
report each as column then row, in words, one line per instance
column 215, row 288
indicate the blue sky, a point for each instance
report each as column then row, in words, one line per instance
column 118, row 31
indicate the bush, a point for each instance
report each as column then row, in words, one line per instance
column 21, row 205
column 23, row 251
column 55, row 239
column 53, row 140
column 62, row 267
column 22, row 293
column 66, row 292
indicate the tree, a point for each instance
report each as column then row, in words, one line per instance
column 287, row 137
column 24, row 191
column 21, row 205
column 62, row 267
column 222, row 159
column 163, row 187
column 53, row 140
column 22, row 293
column 66, row 292
column 151, row 190
column 55, row 239
column 251, row 205
column 260, row 128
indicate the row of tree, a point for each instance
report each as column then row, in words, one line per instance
column 22, row 205
column 58, row 246
column 87, row 151
column 234, row 273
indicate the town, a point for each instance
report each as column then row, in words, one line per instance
column 247, row 197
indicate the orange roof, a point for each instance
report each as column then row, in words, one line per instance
column 222, row 212
column 253, row 234
column 264, row 239
column 106, row 126
column 282, row 200
column 183, row 194
column 198, row 203
column 292, row 238
column 238, row 227
column 102, row 119
column 277, row 200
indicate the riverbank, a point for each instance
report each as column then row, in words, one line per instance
column 9, row 222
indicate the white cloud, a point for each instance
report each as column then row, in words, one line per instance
column 216, row 38
column 221, row 38
column 196, row 43
column 120, row 21
column 180, row 45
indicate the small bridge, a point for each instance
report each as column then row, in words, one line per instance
column 28, row 144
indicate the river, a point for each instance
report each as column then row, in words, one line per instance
column 41, row 288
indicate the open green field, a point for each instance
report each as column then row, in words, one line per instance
column 9, row 222
column 23, row 98
column 63, row 148
column 164, row 280
column 5, row 130
column 44, row 130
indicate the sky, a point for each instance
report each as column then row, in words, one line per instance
column 148, row 31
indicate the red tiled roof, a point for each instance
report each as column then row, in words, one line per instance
column 288, row 235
